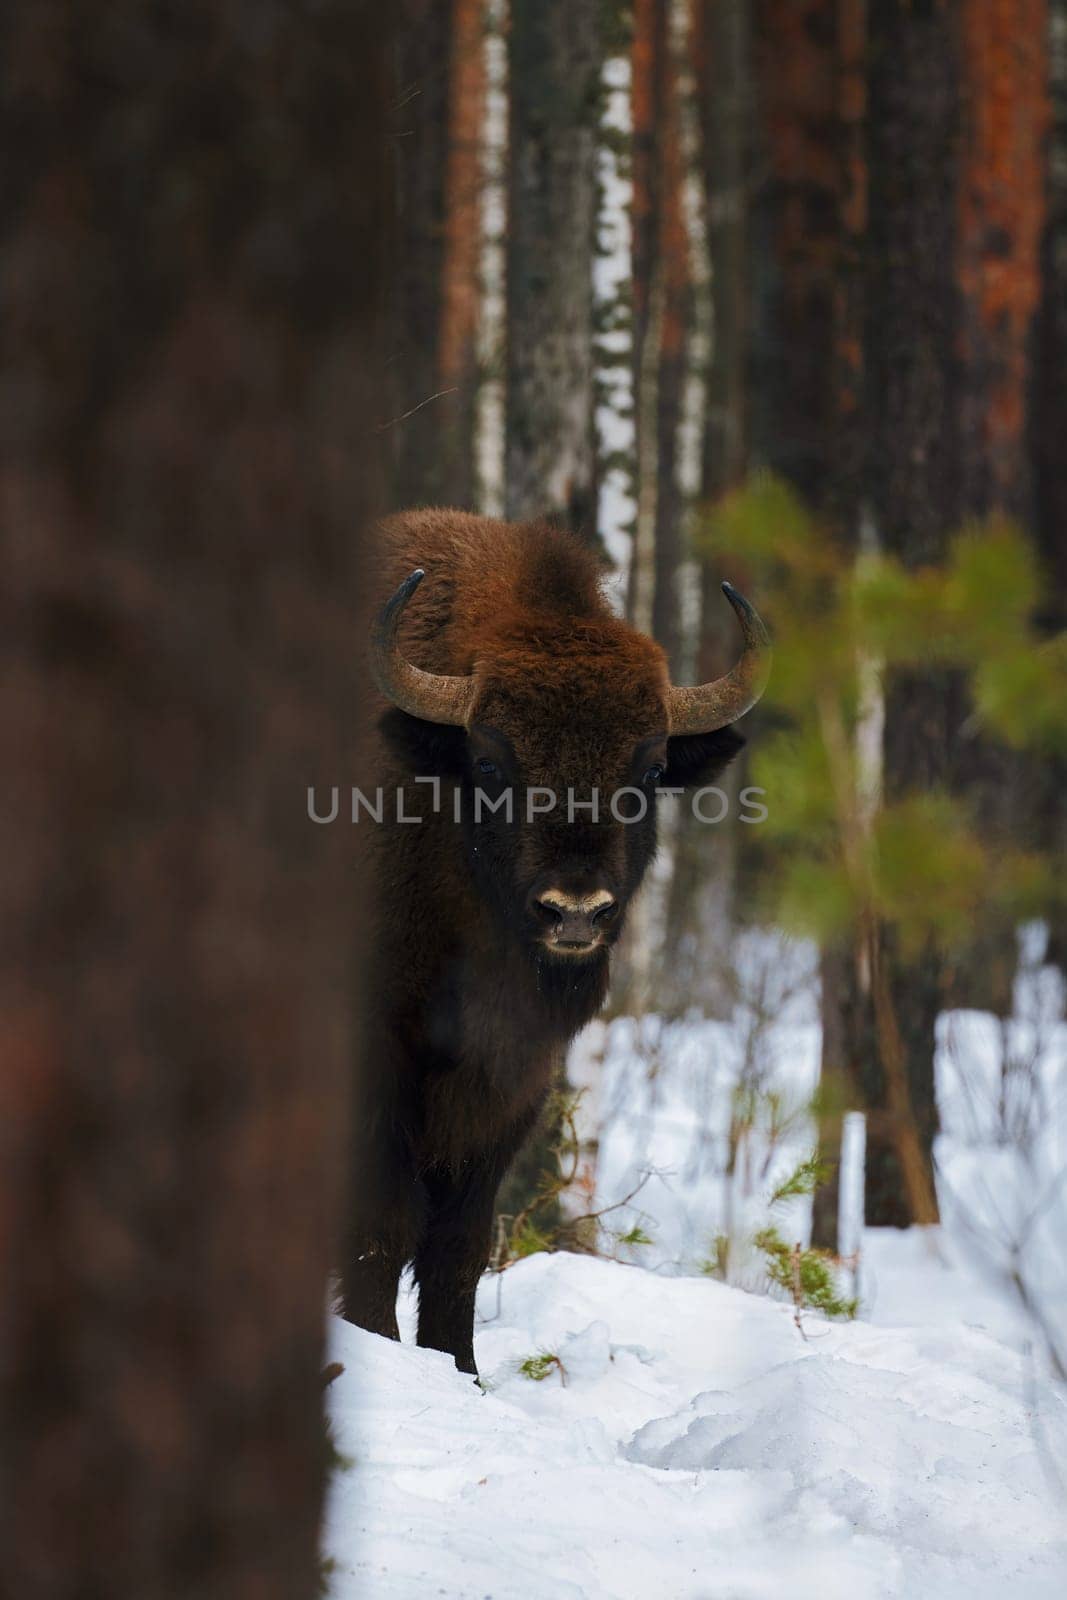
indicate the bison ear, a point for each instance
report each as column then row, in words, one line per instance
column 427, row 749
column 699, row 757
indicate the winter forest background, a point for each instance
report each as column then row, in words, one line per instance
column 778, row 292
column 767, row 290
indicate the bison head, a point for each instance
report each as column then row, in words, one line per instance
column 558, row 741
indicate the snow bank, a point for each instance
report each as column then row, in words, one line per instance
column 691, row 1443
column 695, row 1445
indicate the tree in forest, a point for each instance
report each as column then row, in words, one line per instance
column 810, row 419
column 435, row 304
column 554, row 54
column 1047, row 415
column 663, row 304
column 914, row 872
column 796, row 65
column 700, row 919
column 196, row 204
column 952, row 295
column 1050, row 354
column 661, row 319
column 904, row 147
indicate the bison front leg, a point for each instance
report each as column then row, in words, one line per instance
column 369, row 1282
column 452, row 1255
column 388, row 1209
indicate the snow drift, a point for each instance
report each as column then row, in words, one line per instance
column 692, row 1443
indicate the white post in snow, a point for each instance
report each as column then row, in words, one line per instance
column 850, row 1192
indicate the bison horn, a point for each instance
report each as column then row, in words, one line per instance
column 712, row 705
column 430, row 695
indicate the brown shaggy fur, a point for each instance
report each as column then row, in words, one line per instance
column 470, row 1010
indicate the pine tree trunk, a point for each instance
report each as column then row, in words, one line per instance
column 423, row 51
column 1002, row 206
column 956, row 118
column 461, row 289
column 555, row 52
column 849, row 1038
column 554, row 64
column 812, row 76
column 700, row 916
column 1050, row 490
column 797, row 73
column 192, row 262
column 912, row 331
column 440, row 87
column 1050, row 344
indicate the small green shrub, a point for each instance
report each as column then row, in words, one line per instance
column 635, row 1236
column 538, row 1367
column 806, row 1275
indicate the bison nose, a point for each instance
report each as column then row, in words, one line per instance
column 576, row 921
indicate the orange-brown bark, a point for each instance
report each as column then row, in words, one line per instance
column 1001, row 215
column 851, row 98
column 181, row 506
column 797, row 76
column 460, row 291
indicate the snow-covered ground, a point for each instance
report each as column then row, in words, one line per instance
column 663, row 1096
column 688, row 1440
column 694, row 1444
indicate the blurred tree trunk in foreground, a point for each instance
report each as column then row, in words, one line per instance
column 440, row 94
column 555, row 55
column 191, row 269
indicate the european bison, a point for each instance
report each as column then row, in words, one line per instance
column 508, row 674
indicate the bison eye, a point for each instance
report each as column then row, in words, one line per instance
column 654, row 774
column 487, row 768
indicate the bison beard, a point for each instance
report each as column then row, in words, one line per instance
column 491, row 944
